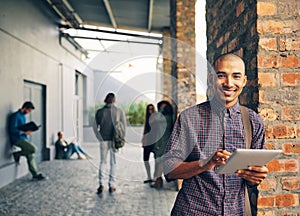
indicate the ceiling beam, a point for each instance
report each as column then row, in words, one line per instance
column 150, row 14
column 66, row 12
column 110, row 14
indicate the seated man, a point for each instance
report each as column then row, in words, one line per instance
column 63, row 150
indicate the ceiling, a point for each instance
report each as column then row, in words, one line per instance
column 140, row 15
column 139, row 21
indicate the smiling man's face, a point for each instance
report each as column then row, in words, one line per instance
column 230, row 79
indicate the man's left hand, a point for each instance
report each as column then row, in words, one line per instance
column 254, row 174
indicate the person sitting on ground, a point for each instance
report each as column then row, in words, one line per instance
column 64, row 150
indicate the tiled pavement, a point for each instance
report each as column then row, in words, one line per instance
column 71, row 189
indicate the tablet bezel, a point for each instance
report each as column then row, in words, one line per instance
column 242, row 158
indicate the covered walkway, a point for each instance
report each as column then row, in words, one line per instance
column 71, row 189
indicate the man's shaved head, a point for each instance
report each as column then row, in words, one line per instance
column 229, row 57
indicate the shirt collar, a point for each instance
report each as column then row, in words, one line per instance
column 220, row 108
column 234, row 109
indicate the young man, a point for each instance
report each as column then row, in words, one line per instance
column 20, row 139
column 105, row 120
column 204, row 137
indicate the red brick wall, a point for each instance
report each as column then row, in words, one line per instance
column 267, row 35
column 278, row 63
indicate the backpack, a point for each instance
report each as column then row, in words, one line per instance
column 119, row 132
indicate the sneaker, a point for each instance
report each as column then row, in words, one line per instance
column 148, row 181
column 39, row 177
column 16, row 158
column 112, row 189
column 100, row 189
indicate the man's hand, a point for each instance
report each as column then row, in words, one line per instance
column 28, row 132
column 218, row 158
column 254, row 174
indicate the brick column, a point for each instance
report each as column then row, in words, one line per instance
column 167, row 65
column 266, row 34
column 183, row 44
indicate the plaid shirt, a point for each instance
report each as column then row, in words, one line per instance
column 199, row 131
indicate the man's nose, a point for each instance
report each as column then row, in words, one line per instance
column 229, row 81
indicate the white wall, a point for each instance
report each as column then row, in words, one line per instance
column 30, row 50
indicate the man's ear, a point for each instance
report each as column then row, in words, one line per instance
column 245, row 81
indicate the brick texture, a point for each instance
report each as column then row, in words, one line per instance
column 278, row 26
column 183, row 69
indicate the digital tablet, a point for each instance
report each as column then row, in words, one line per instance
column 242, row 158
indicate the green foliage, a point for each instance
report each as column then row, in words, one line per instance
column 135, row 112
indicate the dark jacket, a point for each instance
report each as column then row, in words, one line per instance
column 105, row 120
column 60, row 149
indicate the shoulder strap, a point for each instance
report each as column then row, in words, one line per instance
column 118, row 115
column 247, row 126
column 248, row 139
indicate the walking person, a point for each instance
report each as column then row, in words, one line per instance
column 105, row 120
column 64, row 150
column 20, row 138
column 164, row 122
column 148, row 140
column 204, row 137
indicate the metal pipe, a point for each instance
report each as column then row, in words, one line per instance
column 116, row 40
column 121, row 33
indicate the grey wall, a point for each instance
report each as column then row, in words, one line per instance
column 30, row 50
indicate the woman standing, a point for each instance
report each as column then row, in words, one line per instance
column 165, row 122
column 148, row 140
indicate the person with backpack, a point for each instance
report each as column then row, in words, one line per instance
column 203, row 138
column 106, row 119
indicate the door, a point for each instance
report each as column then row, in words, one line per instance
column 36, row 94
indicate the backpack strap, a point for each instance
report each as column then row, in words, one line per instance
column 248, row 139
column 247, row 126
column 118, row 115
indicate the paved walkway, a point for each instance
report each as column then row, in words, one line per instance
column 71, row 189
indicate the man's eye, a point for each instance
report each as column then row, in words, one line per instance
column 221, row 76
column 237, row 76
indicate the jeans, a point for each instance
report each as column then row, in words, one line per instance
column 28, row 150
column 71, row 149
column 105, row 147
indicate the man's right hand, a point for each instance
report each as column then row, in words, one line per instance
column 219, row 158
